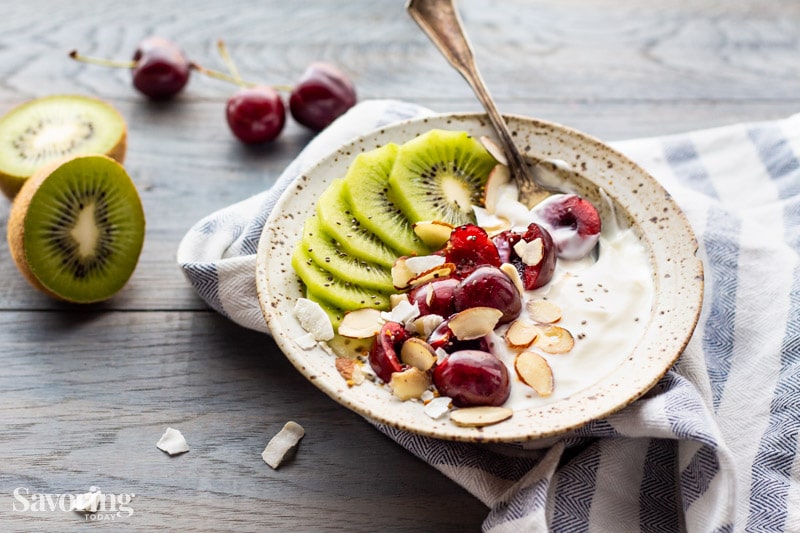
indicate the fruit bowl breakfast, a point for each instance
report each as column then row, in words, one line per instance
column 401, row 276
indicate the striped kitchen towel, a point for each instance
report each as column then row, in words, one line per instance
column 714, row 445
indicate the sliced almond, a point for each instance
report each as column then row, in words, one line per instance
column 512, row 272
column 423, row 263
column 531, row 252
column 474, row 322
column 520, row 334
column 480, row 416
column 418, row 353
column 350, row 370
column 499, row 176
column 410, row 383
column 543, row 311
column 433, row 233
column 361, row 323
column 495, row 149
column 313, row 319
column 442, row 271
column 396, row 298
column 401, row 274
column 534, row 370
column 554, row 339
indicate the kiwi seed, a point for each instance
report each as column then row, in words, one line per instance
column 52, row 128
column 76, row 229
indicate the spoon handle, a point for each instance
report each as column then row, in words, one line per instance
column 441, row 22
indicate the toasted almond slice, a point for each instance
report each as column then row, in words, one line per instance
column 554, row 339
column 531, row 252
column 434, row 233
column 543, row 311
column 282, row 443
column 418, row 353
column 410, row 383
column 495, row 149
column 474, row 322
column 423, row 263
column 361, row 323
column 350, row 370
column 499, row 176
column 437, row 407
column 396, row 298
column 401, row 274
column 480, row 416
column 512, row 272
column 520, row 334
column 313, row 319
column 534, row 370
column 442, row 271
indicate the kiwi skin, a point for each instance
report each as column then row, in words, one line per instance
column 10, row 184
column 16, row 224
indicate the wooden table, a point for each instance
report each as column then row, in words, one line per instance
column 85, row 392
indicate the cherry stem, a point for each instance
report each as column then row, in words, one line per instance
column 234, row 76
column 104, row 62
column 228, row 60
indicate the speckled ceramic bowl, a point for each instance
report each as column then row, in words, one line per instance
column 639, row 201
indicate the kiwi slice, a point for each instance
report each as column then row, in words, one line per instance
column 323, row 286
column 47, row 129
column 326, row 251
column 371, row 199
column 337, row 220
column 440, row 175
column 76, row 229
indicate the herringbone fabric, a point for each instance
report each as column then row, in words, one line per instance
column 714, row 445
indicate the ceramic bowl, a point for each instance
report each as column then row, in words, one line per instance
column 637, row 198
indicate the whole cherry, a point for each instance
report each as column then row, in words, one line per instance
column 159, row 68
column 473, row 377
column 256, row 114
column 321, row 95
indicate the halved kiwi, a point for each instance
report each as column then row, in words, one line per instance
column 440, row 175
column 76, row 229
column 52, row 128
column 371, row 200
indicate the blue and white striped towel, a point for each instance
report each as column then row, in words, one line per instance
column 714, row 446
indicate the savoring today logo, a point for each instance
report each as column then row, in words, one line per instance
column 95, row 504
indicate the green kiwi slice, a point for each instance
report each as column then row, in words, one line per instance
column 51, row 128
column 371, row 199
column 76, row 229
column 337, row 220
column 326, row 251
column 440, row 175
column 325, row 287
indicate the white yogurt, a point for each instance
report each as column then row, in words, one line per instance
column 605, row 304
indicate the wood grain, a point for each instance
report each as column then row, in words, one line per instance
column 86, row 392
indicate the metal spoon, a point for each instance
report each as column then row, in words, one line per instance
column 441, row 22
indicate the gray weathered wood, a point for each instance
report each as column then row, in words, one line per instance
column 86, row 392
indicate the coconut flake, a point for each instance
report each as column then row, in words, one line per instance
column 282, row 443
column 313, row 319
column 306, row 342
column 88, row 502
column 423, row 263
column 437, row 407
column 172, row 442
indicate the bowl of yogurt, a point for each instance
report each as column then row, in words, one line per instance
column 630, row 307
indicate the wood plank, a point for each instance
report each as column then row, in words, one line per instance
column 84, row 397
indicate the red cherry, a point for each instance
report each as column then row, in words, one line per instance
column 488, row 286
column 256, row 114
column 383, row 355
column 161, row 70
column 573, row 222
column 322, row 94
column 469, row 246
column 434, row 297
column 533, row 276
column 472, row 377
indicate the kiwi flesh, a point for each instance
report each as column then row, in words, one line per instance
column 326, row 251
column 440, row 175
column 323, row 286
column 371, row 200
column 76, row 229
column 337, row 220
column 44, row 130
